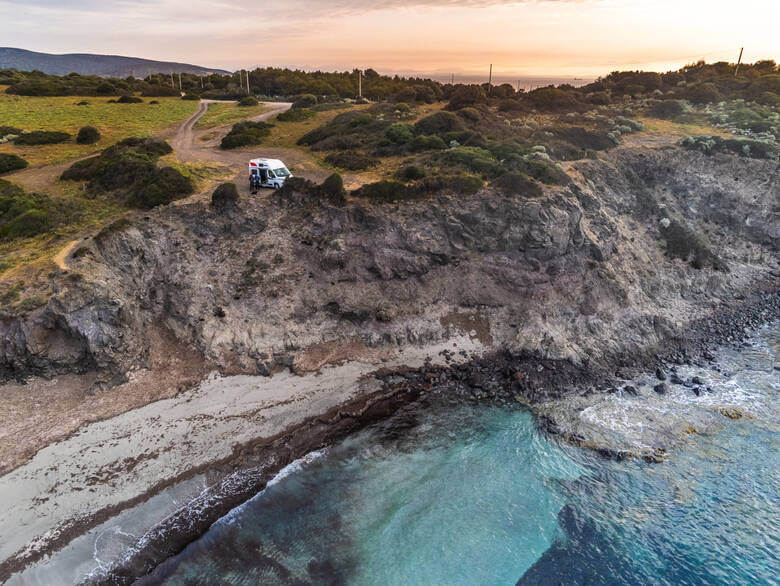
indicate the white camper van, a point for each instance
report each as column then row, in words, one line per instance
column 267, row 173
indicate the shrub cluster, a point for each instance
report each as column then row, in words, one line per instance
column 297, row 190
column 23, row 215
column 246, row 133
column 129, row 168
column 225, row 197
column 390, row 190
column 516, row 183
column 191, row 97
column 248, row 101
column 295, row 115
column 684, row 243
column 41, row 137
column 11, row 163
column 351, row 160
column 744, row 147
column 129, row 100
column 88, row 135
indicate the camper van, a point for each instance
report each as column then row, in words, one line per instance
column 271, row 172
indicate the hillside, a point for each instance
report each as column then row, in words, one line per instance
column 89, row 64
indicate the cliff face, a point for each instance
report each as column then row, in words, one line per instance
column 583, row 273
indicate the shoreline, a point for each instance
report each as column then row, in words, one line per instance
column 491, row 377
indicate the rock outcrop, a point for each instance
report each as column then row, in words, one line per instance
column 582, row 273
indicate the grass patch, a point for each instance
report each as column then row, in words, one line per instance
column 223, row 113
column 114, row 122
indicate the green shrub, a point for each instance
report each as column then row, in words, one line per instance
column 246, row 133
column 191, row 97
column 597, row 140
column 403, row 107
column 130, row 169
column 304, row 101
column 10, row 131
column 351, row 160
column 466, row 95
column 332, row 189
column 88, row 135
column 741, row 146
column 160, row 91
column 474, row 159
column 460, row 184
column 439, row 123
column 11, row 163
column 295, row 115
column 225, row 197
column 684, row 243
column 410, row 173
column 30, row 223
column 400, row 132
column 470, row 114
column 384, row 191
column 248, row 101
column 427, row 143
column 510, row 105
column 516, row 183
column 130, row 100
column 668, row 109
column 42, row 137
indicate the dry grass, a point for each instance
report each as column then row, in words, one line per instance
column 220, row 114
column 698, row 125
column 114, row 121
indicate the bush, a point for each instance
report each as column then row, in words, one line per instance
column 191, row 97
column 467, row 95
column 82, row 103
column 668, row 109
column 596, row 140
column 248, row 101
column 160, row 91
column 11, row 163
column 384, row 191
column 351, row 160
column 295, row 115
column 439, row 123
column 88, row 135
column 743, row 147
column 30, row 223
column 304, row 101
column 510, row 105
column 400, row 132
column 461, row 184
column 332, row 189
column 470, row 114
column 225, row 197
column 516, row 183
column 130, row 168
column 684, row 243
column 473, row 159
column 543, row 171
column 246, row 133
column 130, row 100
column 427, row 143
column 42, row 137
column 10, row 131
column 410, row 173
column 403, row 107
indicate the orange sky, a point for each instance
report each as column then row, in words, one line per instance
column 532, row 37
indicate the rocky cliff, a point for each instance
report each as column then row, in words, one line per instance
column 637, row 245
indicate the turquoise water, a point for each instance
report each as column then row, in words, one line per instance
column 478, row 495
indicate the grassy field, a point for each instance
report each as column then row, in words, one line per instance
column 227, row 113
column 114, row 121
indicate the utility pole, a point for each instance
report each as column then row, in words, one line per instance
column 736, row 70
column 172, row 85
column 490, row 78
column 452, row 81
column 179, row 81
column 360, row 83
column 247, row 82
column 201, row 82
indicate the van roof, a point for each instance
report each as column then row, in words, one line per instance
column 272, row 163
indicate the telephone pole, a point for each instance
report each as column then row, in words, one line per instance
column 172, row 84
column 452, row 81
column 490, row 78
column 360, row 83
column 179, row 81
column 247, row 82
column 736, row 69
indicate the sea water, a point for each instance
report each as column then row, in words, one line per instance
column 479, row 495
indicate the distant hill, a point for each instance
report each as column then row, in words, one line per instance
column 89, row 64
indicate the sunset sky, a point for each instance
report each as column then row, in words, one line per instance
column 568, row 38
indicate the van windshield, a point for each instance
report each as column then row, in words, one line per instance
column 281, row 172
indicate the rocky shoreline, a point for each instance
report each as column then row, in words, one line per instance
column 508, row 379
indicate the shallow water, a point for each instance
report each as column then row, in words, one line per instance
column 478, row 495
